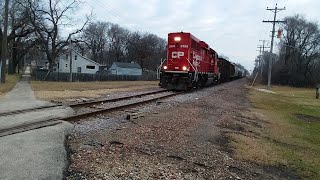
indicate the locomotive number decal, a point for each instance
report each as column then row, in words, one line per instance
column 197, row 57
column 196, row 63
column 177, row 54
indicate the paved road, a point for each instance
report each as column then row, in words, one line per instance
column 36, row 154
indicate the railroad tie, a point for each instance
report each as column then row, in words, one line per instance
column 134, row 115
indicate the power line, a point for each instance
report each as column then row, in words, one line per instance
column 115, row 11
column 265, row 14
column 263, row 45
column 275, row 11
column 116, row 14
column 112, row 12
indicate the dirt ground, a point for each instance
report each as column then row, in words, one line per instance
column 184, row 137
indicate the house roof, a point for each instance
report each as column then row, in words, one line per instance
column 127, row 65
column 86, row 58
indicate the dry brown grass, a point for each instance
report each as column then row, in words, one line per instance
column 83, row 86
column 11, row 81
column 286, row 139
column 255, row 149
column 66, row 90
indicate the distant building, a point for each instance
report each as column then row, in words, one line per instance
column 121, row 68
column 80, row 64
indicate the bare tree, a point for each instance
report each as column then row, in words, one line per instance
column 117, row 40
column 299, row 52
column 95, row 38
column 133, row 46
column 154, row 49
column 109, row 42
column 47, row 19
column 147, row 49
column 20, row 38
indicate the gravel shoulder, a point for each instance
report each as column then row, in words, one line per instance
column 185, row 137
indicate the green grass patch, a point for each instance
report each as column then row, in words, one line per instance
column 11, row 81
column 294, row 129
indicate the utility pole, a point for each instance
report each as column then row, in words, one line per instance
column 70, row 64
column 260, row 50
column 4, row 43
column 275, row 11
column 262, row 47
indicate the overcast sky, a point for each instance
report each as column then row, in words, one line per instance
column 231, row 27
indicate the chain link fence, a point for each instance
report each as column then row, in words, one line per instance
column 44, row 75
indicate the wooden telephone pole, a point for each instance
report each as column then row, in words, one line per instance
column 261, row 57
column 275, row 11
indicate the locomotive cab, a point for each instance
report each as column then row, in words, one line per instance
column 175, row 71
column 190, row 63
column 178, row 53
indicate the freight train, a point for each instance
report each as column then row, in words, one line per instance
column 191, row 63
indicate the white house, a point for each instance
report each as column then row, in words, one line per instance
column 80, row 64
column 121, row 68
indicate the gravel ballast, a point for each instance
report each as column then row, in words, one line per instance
column 182, row 137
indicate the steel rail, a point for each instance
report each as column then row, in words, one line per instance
column 110, row 109
column 73, row 118
column 29, row 110
column 28, row 126
column 89, row 103
column 84, row 104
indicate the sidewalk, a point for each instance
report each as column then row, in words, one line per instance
column 21, row 96
column 36, row 154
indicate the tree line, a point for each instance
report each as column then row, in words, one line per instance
column 37, row 30
column 105, row 42
column 39, row 27
column 298, row 61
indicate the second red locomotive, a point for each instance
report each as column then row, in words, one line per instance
column 191, row 63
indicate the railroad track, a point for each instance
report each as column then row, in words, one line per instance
column 29, row 110
column 90, row 103
column 53, row 121
column 77, row 105
column 29, row 126
column 5, row 131
column 80, row 116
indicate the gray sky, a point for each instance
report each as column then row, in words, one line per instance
column 231, row 27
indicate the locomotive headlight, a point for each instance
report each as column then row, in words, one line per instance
column 178, row 39
column 184, row 68
column 165, row 67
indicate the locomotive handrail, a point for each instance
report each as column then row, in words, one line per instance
column 159, row 68
column 195, row 70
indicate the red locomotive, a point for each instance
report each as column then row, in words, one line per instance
column 191, row 63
